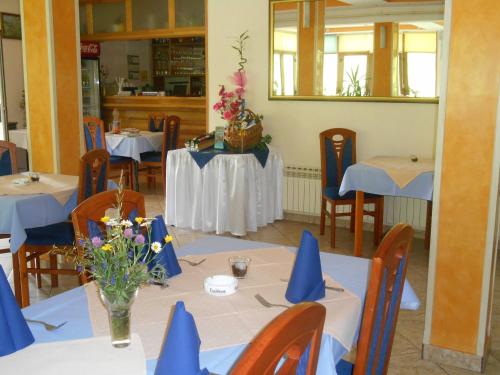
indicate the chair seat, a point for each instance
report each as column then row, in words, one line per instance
column 333, row 193
column 151, row 157
column 60, row 234
column 113, row 159
column 344, row 368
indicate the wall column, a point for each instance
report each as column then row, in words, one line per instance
column 385, row 49
column 463, row 244
column 52, row 83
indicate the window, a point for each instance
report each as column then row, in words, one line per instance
column 285, row 63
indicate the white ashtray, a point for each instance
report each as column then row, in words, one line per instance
column 21, row 181
column 221, row 285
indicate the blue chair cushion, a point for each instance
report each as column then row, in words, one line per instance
column 344, row 368
column 60, row 234
column 333, row 193
column 151, row 156
column 5, row 164
column 118, row 159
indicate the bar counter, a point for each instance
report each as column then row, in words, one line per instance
column 134, row 112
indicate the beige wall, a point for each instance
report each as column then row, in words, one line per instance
column 13, row 66
column 383, row 128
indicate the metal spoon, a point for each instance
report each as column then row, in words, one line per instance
column 327, row 287
column 266, row 303
column 192, row 263
column 48, row 326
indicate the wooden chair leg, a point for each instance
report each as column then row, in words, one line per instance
column 428, row 222
column 379, row 222
column 322, row 217
column 333, row 226
column 54, row 278
column 23, row 277
column 17, row 279
column 353, row 218
column 35, row 263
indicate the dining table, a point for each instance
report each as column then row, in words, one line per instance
column 224, row 323
column 397, row 176
column 222, row 191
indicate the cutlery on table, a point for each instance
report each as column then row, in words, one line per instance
column 48, row 326
column 193, row 263
column 327, row 287
column 266, row 303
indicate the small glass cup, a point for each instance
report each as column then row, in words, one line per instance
column 34, row 177
column 239, row 265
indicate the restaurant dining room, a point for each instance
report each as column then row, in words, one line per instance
column 249, row 187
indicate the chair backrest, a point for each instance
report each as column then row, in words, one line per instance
column 94, row 170
column 156, row 122
column 93, row 128
column 287, row 337
column 338, row 152
column 170, row 140
column 8, row 161
column 382, row 301
column 94, row 208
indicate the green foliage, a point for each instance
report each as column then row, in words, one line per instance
column 354, row 85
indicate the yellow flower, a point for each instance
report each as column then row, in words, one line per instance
column 168, row 238
column 139, row 219
column 105, row 219
column 107, row 247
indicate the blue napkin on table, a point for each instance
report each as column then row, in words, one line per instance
column 166, row 257
column 14, row 331
column 181, row 351
column 306, row 282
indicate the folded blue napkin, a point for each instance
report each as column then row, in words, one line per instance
column 181, row 351
column 14, row 331
column 306, row 282
column 166, row 257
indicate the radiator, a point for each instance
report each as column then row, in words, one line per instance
column 302, row 197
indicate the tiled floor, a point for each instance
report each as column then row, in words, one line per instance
column 409, row 333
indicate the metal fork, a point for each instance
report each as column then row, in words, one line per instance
column 327, row 287
column 192, row 263
column 48, row 326
column 266, row 303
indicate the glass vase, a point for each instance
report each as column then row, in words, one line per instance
column 119, row 318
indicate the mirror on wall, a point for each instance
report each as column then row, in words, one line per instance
column 366, row 50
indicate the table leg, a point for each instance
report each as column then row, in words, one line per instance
column 17, row 279
column 135, row 171
column 358, row 228
column 23, row 277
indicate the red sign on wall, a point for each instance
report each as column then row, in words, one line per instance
column 90, row 49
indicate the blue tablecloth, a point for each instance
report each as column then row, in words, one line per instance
column 362, row 177
column 203, row 157
column 20, row 212
column 71, row 306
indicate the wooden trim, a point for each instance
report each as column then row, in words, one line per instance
column 128, row 15
column 89, row 11
column 207, row 98
column 147, row 34
column 171, row 14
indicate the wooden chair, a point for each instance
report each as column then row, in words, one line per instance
column 8, row 162
column 156, row 122
column 94, row 167
column 338, row 152
column 95, row 139
column 286, row 337
column 94, row 208
column 381, row 304
column 156, row 161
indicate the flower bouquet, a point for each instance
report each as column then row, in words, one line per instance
column 120, row 260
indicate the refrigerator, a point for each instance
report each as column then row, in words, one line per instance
column 91, row 90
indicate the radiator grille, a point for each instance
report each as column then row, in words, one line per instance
column 302, row 196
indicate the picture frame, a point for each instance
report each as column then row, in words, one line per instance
column 10, row 26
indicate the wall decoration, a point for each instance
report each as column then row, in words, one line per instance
column 10, row 26
column 133, row 67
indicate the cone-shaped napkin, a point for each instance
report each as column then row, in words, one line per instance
column 181, row 351
column 166, row 257
column 306, row 282
column 14, row 331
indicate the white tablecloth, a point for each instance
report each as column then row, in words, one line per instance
column 133, row 147
column 231, row 193
column 19, row 137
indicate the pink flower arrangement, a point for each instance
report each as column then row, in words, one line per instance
column 232, row 102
